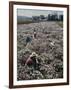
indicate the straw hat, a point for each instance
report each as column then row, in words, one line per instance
column 33, row 54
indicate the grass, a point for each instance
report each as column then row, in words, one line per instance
column 60, row 23
column 24, row 22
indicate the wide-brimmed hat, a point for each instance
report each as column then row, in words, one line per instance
column 33, row 54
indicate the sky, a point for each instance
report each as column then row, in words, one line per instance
column 31, row 12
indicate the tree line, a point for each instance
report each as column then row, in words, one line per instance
column 50, row 17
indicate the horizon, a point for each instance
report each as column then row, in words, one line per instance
column 32, row 12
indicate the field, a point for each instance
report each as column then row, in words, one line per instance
column 48, row 45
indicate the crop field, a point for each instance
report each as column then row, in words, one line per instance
column 47, row 44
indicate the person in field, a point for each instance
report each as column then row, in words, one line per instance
column 34, row 34
column 28, row 39
column 32, row 60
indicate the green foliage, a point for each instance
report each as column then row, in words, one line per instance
column 60, row 23
column 42, row 16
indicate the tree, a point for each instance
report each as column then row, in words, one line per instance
column 61, row 17
column 42, row 17
column 49, row 17
column 35, row 18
